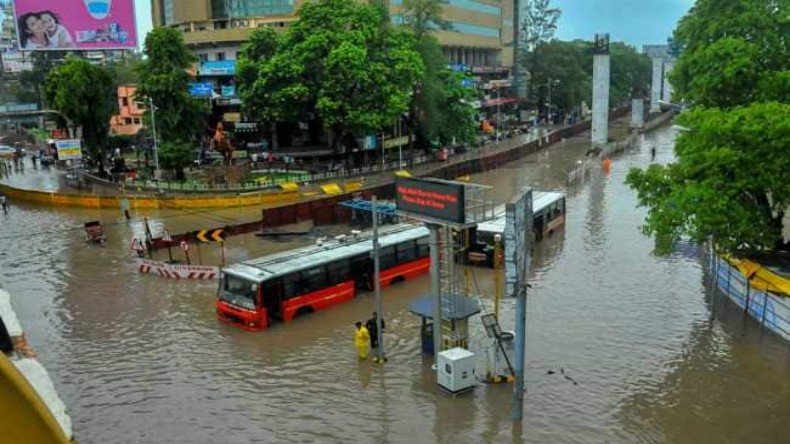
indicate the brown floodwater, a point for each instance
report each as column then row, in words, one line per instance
column 139, row 359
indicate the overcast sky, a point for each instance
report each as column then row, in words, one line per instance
column 637, row 22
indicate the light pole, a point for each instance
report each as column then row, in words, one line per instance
column 498, row 97
column 551, row 82
column 153, row 108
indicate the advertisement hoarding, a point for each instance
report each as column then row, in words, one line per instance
column 69, row 149
column 46, row 25
column 443, row 201
column 518, row 243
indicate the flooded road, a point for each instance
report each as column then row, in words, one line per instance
column 140, row 359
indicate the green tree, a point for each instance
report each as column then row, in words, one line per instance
column 538, row 26
column 86, row 95
column 33, row 80
column 164, row 80
column 424, row 16
column 255, row 53
column 456, row 122
column 731, row 180
column 631, row 72
column 566, row 65
column 734, row 52
column 342, row 61
column 126, row 70
column 176, row 156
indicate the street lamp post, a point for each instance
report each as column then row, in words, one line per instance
column 153, row 108
column 498, row 116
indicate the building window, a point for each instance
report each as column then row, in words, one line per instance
column 466, row 28
column 203, row 57
column 220, row 56
column 167, row 12
column 250, row 8
column 125, row 101
column 136, row 120
column 127, row 121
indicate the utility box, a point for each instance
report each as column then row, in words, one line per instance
column 456, row 372
column 500, row 358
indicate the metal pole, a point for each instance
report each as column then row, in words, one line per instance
column 433, row 240
column 153, row 128
column 521, row 331
column 498, row 97
column 377, row 277
column 497, row 274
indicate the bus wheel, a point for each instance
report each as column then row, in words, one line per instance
column 303, row 311
column 397, row 280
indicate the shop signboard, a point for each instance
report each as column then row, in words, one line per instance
column 217, row 68
column 69, row 149
column 518, row 243
column 75, row 25
column 201, row 90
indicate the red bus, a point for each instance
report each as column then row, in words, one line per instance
column 254, row 293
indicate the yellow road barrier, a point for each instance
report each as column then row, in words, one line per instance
column 151, row 202
column 331, row 189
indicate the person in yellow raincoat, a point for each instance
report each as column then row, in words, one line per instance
column 362, row 340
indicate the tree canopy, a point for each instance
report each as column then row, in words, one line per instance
column 735, row 52
column 731, row 179
column 165, row 81
column 85, row 94
column 341, row 62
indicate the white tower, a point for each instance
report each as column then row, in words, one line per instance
column 601, row 77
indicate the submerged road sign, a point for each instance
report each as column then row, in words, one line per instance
column 211, row 235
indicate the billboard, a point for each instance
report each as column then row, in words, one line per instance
column 47, row 25
column 69, row 149
column 433, row 199
column 518, row 243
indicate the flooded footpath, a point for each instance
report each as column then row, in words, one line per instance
column 140, row 359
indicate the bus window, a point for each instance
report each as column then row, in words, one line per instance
column 387, row 257
column 291, row 287
column 423, row 247
column 406, row 252
column 238, row 292
column 271, row 296
column 339, row 271
column 313, row 279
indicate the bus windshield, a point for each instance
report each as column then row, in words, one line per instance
column 238, row 292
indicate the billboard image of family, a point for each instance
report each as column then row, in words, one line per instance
column 75, row 24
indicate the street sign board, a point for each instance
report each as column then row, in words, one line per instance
column 69, row 149
column 217, row 68
column 394, row 143
column 211, row 235
column 518, row 243
column 435, row 199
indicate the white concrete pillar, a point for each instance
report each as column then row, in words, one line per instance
column 667, row 94
column 655, row 89
column 637, row 113
column 600, row 118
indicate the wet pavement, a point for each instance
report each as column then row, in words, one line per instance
column 139, row 359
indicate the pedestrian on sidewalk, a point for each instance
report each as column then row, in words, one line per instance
column 4, row 203
column 362, row 340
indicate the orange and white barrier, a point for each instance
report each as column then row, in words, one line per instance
column 178, row 272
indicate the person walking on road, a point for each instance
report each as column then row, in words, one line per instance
column 362, row 340
column 4, row 203
column 374, row 331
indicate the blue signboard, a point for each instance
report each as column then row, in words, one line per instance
column 229, row 91
column 460, row 67
column 217, row 68
column 201, row 89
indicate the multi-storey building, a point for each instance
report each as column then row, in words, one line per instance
column 129, row 119
column 481, row 35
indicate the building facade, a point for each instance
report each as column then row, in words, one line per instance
column 129, row 119
column 481, row 35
